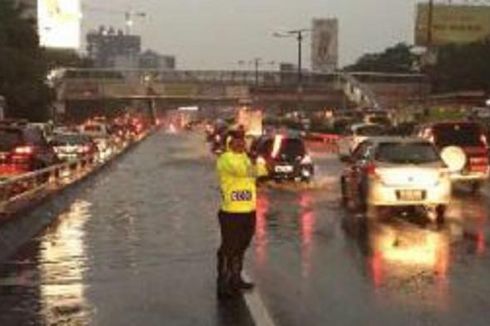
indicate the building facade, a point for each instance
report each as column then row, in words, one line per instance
column 324, row 45
column 107, row 46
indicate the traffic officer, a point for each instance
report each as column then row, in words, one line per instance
column 237, row 176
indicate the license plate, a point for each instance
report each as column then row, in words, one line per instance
column 410, row 195
column 284, row 168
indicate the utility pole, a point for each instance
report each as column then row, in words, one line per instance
column 430, row 20
column 299, row 34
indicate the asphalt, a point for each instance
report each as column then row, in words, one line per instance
column 136, row 245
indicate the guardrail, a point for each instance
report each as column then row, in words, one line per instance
column 20, row 190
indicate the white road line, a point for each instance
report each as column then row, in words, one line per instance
column 257, row 308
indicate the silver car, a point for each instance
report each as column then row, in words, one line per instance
column 397, row 172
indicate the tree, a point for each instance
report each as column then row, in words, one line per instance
column 23, row 67
column 396, row 59
column 462, row 67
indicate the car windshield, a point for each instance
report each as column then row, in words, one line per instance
column 463, row 134
column 407, row 153
column 373, row 130
column 9, row 139
column 292, row 147
column 70, row 140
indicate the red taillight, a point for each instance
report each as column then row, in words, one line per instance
column 24, row 150
column 371, row 170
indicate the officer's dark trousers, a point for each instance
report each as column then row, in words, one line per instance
column 237, row 230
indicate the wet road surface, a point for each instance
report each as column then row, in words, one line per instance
column 136, row 245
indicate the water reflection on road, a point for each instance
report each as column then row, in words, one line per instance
column 137, row 246
column 64, row 263
column 403, row 269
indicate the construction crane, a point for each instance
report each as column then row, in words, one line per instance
column 129, row 15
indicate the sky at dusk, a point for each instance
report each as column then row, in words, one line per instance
column 216, row 34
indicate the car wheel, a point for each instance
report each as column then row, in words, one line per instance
column 475, row 187
column 441, row 214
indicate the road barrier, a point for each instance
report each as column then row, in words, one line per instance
column 20, row 191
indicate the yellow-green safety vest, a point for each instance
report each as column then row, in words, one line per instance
column 237, row 176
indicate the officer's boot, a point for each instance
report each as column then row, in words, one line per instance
column 225, row 289
column 237, row 280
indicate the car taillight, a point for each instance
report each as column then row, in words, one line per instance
column 84, row 149
column 24, row 150
column 479, row 161
column 371, row 170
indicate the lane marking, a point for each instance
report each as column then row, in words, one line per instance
column 257, row 308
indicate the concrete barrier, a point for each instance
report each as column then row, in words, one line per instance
column 25, row 214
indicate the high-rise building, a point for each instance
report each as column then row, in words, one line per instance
column 324, row 45
column 106, row 47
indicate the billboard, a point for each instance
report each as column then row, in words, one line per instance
column 324, row 45
column 59, row 23
column 452, row 24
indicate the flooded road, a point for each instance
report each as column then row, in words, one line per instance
column 136, row 245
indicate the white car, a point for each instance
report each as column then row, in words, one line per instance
column 397, row 172
column 355, row 134
column 99, row 133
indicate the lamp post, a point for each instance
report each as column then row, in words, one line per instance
column 299, row 34
column 430, row 19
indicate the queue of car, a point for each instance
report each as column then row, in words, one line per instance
column 416, row 171
column 27, row 147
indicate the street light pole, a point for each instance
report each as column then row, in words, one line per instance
column 300, row 57
column 430, row 19
column 299, row 34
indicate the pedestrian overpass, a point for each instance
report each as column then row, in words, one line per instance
column 79, row 89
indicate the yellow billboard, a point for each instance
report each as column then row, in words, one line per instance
column 456, row 24
column 59, row 23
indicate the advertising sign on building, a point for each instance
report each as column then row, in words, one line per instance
column 59, row 23
column 324, row 45
column 452, row 24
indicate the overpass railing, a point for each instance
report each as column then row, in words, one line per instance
column 241, row 77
